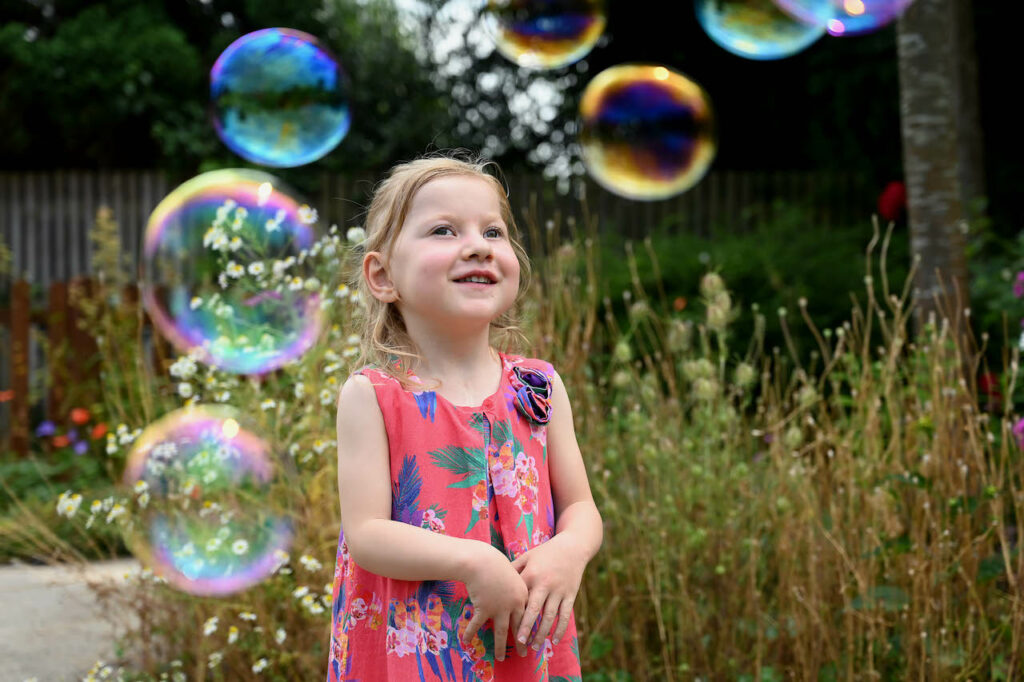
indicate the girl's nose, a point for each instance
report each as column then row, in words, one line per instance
column 476, row 245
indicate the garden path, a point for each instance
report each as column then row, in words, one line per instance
column 50, row 624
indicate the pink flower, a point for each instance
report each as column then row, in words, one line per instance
column 1018, row 286
column 505, row 482
column 1018, row 431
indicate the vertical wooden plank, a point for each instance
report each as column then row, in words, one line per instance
column 57, row 319
column 29, row 221
column 19, row 324
column 83, row 365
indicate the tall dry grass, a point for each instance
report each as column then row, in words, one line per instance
column 850, row 518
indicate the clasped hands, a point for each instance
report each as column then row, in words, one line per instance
column 552, row 572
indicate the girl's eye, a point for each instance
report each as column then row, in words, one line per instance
column 496, row 230
column 441, row 227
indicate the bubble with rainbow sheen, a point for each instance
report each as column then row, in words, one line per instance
column 545, row 34
column 646, row 131
column 203, row 516
column 755, row 29
column 224, row 277
column 279, row 98
column 845, row 17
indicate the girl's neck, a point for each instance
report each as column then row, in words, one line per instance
column 462, row 370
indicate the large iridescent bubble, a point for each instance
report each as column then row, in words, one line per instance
column 845, row 17
column 224, row 275
column 279, row 98
column 203, row 516
column 755, row 29
column 646, row 131
column 545, row 34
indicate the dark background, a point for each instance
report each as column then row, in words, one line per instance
column 123, row 84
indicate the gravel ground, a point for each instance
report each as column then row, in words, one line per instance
column 50, row 626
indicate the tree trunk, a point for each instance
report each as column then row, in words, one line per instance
column 941, row 157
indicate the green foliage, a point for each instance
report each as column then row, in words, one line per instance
column 773, row 267
column 122, row 83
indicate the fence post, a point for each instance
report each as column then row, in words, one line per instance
column 57, row 334
column 20, row 311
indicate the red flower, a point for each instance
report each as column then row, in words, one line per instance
column 679, row 303
column 892, row 202
column 61, row 441
column 99, row 431
column 6, row 395
column 79, row 415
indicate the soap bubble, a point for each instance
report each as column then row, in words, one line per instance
column 545, row 34
column 755, row 29
column 279, row 98
column 845, row 17
column 203, row 517
column 224, row 274
column 646, row 131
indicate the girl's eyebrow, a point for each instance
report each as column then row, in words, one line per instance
column 491, row 218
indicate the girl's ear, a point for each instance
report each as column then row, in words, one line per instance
column 377, row 278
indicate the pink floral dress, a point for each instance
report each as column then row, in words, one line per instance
column 468, row 472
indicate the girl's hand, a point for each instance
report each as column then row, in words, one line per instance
column 552, row 571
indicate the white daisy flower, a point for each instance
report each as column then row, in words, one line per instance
column 240, row 547
column 68, row 503
column 355, row 235
column 280, row 635
column 260, row 665
column 307, row 215
column 256, row 268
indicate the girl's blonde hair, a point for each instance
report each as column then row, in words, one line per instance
column 383, row 337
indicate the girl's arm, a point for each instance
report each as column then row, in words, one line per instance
column 388, row 548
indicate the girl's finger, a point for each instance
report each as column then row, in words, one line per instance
column 470, row 631
column 565, row 613
column 545, row 625
column 533, row 609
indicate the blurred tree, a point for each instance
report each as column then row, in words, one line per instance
column 941, row 153
column 123, row 83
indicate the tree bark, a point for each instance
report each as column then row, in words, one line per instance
column 941, row 157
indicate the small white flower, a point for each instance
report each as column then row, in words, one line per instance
column 300, row 592
column 300, row 389
column 355, row 234
column 326, row 397
column 247, row 615
column 235, row 244
column 256, row 268
column 310, row 563
column 214, row 660
column 195, row 302
column 116, row 511
column 295, row 283
column 272, row 226
column 68, row 503
column 213, row 544
column 185, row 389
column 268, row 404
column 232, row 634
column 233, row 269
column 240, row 547
column 312, row 284
column 210, row 626
column 307, row 215
column 260, row 665
column 280, row 635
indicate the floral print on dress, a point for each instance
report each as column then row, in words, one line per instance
column 478, row 473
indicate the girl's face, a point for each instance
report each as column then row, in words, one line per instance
column 453, row 228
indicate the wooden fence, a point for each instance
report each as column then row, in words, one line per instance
column 45, row 219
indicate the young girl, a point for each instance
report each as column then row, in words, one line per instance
column 467, row 519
